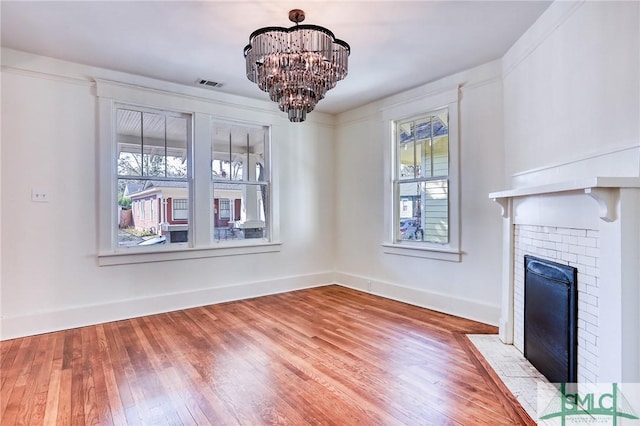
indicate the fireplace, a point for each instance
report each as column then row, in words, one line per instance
column 593, row 225
column 550, row 318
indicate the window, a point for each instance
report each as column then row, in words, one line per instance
column 225, row 210
column 240, row 181
column 180, row 209
column 152, row 151
column 421, row 187
column 165, row 169
column 422, row 218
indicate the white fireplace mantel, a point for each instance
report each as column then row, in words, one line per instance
column 616, row 219
column 604, row 190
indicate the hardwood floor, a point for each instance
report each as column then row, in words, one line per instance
column 328, row 355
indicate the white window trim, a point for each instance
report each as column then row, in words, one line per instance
column 168, row 252
column 201, row 244
column 451, row 251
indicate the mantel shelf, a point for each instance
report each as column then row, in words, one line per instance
column 604, row 190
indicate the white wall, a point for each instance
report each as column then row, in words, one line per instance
column 572, row 111
column 469, row 288
column 572, row 95
column 50, row 276
column 569, row 87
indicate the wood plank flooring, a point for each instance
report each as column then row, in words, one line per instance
column 323, row 356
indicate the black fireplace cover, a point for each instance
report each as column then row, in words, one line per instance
column 551, row 318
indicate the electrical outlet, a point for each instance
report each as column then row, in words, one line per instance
column 369, row 285
column 39, row 195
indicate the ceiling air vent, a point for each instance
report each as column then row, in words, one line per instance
column 209, row 83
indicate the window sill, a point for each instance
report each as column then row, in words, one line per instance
column 178, row 253
column 412, row 250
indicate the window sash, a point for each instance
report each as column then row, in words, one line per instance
column 240, row 172
column 420, row 227
column 151, row 138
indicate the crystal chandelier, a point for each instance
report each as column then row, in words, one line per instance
column 297, row 65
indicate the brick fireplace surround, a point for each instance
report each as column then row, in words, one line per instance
column 579, row 248
column 593, row 225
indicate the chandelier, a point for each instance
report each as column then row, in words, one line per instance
column 297, row 65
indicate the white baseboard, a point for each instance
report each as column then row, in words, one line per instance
column 46, row 322
column 465, row 308
column 28, row 325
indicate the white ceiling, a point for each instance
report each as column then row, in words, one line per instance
column 395, row 45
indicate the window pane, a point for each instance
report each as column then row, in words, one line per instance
column 423, row 151
column 239, row 211
column 176, row 146
column 440, row 143
column 406, row 150
column 441, row 156
column 129, row 142
column 225, row 209
column 440, row 123
column 153, row 144
column 406, row 156
column 435, row 214
column 221, row 152
column 180, row 208
column 152, row 212
column 405, row 132
column 421, row 167
column 239, row 153
column 257, row 153
column 409, row 226
column 424, row 212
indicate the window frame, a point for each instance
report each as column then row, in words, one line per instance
column 413, row 108
column 113, row 95
column 399, row 181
